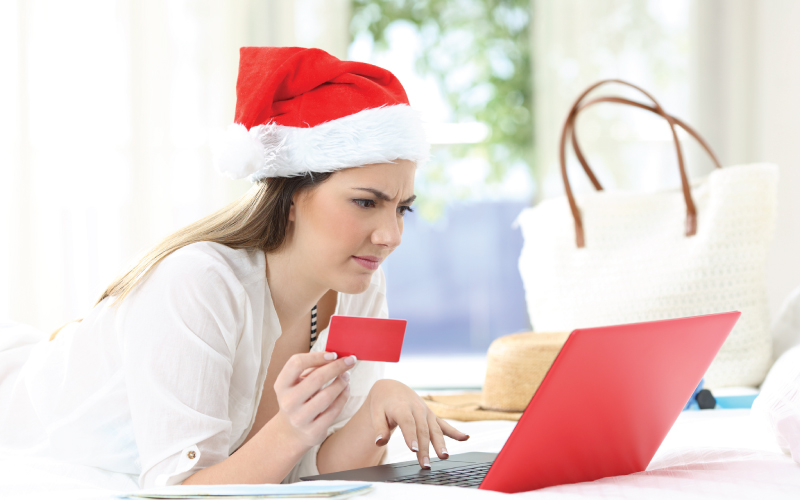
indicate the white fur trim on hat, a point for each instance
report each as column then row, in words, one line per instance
column 377, row 135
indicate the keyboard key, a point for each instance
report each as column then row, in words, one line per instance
column 470, row 476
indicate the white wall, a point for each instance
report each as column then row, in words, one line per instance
column 746, row 102
column 778, row 129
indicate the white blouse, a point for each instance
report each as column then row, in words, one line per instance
column 168, row 382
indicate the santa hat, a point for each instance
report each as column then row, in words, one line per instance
column 302, row 110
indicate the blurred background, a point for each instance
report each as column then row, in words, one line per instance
column 107, row 109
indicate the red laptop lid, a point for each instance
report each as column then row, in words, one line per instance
column 608, row 402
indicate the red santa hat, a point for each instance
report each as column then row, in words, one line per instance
column 302, row 110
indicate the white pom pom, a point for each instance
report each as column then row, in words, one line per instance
column 237, row 153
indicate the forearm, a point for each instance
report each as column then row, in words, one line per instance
column 266, row 458
column 351, row 447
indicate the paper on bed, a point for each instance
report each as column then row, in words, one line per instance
column 249, row 491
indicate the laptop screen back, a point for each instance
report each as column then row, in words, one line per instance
column 608, row 402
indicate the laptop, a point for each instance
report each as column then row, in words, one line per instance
column 603, row 409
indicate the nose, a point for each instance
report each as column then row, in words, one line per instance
column 389, row 231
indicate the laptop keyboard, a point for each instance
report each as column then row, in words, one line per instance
column 467, row 477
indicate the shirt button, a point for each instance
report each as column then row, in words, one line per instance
column 191, row 455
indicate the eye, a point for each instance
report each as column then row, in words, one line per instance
column 365, row 203
column 403, row 209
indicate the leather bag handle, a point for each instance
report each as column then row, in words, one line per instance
column 568, row 129
column 621, row 100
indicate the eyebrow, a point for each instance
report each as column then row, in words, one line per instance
column 385, row 197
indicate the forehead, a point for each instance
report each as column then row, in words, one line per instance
column 389, row 176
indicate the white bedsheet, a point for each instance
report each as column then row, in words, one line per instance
column 709, row 454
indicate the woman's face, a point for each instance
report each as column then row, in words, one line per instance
column 345, row 227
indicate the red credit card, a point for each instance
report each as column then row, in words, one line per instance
column 368, row 339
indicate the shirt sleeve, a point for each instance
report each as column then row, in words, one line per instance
column 363, row 375
column 178, row 331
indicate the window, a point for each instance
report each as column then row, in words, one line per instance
column 455, row 276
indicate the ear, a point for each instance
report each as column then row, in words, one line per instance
column 293, row 206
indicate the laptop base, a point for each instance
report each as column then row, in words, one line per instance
column 458, row 470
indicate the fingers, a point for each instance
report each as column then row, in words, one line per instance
column 327, row 417
column 423, row 437
column 323, row 399
column 394, row 404
column 380, row 426
column 437, row 438
column 409, row 429
column 451, row 431
column 297, row 364
column 314, row 381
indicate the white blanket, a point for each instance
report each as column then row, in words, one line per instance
column 708, row 454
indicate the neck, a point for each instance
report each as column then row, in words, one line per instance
column 293, row 293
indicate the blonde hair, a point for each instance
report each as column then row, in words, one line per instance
column 256, row 220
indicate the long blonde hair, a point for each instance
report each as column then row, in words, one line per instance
column 256, row 220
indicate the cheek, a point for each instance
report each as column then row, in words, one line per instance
column 340, row 230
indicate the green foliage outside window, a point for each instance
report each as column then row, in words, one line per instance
column 479, row 52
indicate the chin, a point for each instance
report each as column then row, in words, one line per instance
column 354, row 285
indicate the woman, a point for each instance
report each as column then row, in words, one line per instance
column 199, row 366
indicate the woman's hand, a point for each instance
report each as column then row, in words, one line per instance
column 394, row 404
column 306, row 408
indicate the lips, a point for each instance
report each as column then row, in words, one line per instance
column 367, row 261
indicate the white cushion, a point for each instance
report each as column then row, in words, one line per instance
column 786, row 330
column 779, row 401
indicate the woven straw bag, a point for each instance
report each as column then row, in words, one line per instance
column 620, row 257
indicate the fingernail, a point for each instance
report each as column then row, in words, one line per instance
column 444, row 452
column 426, row 462
column 350, row 360
column 346, row 376
column 414, row 446
column 330, row 356
column 378, row 438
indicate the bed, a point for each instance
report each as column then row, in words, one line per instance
column 708, row 454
